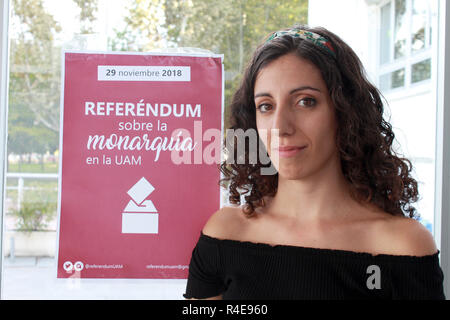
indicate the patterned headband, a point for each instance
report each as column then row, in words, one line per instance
column 315, row 38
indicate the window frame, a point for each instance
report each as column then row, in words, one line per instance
column 4, row 77
column 442, row 172
column 410, row 58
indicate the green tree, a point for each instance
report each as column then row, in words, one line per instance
column 88, row 10
column 86, row 17
column 34, row 87
column 35, row 63
column 144, row 29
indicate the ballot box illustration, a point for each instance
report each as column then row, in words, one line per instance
column 140, row 214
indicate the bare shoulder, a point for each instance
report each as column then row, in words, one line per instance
column 406, row 236
column 225, row 223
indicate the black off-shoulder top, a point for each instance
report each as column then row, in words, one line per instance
column 248, row 270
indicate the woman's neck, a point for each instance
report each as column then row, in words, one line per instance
column 322, row 196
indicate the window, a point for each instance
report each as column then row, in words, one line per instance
column 392, row 80
column 406, row 74
column 405, row 48
column 38, row 30
column 421, row 71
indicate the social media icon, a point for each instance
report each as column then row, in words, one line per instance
column 78, row 266
column 68, row 266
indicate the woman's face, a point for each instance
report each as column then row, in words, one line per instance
column 292, row 98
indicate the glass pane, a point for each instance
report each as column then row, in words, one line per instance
column 39, row 29
column 418, row 24
column 401, row 29
column 392, row 80
column 421, row 71
column 385, row 36
column 398, row 78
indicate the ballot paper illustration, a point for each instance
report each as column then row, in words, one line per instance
column 140, row 214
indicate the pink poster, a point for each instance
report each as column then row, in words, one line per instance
column 140, row 144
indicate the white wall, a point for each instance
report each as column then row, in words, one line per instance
column 412, row 117
column 349, row 19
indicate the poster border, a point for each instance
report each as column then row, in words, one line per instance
column 61, row 130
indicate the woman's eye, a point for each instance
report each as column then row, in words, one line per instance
column 307, row 102
column 264, row 107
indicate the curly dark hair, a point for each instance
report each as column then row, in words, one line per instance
column 364, row 139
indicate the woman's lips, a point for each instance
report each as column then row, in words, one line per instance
column 288, row 151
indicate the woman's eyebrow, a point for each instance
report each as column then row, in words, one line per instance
column 265, row 94
column 303, row 88
column 262, row 94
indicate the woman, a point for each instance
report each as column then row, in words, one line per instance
column 335, row 221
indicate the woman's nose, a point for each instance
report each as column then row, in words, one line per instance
column 284, row 121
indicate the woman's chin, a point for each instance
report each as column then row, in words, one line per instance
column 290, row 173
